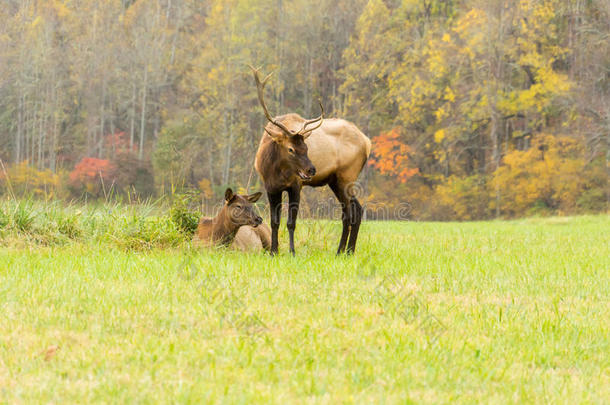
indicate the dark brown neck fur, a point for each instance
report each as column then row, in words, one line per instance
column 276, row 177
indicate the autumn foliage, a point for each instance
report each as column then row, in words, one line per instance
column 483, row 106
column 23, row 179
column 547, row 175
column 390, row 156
column 476, row 109
column 92, row 175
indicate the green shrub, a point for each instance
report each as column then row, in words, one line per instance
column 185, row 219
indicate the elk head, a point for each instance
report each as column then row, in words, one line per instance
column 292, row 147
column 239, row 208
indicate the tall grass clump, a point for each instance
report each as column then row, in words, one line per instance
column 184, row 218
column 137, row 231
column 3, row 218
column 23, row 216
column 68, row 225
column 131, row 227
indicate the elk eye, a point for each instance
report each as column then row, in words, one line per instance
column 290, row 150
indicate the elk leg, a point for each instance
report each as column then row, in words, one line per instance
column 345, row 232
column 354, row 224
column 345, row 208
column 275, row 207
column 294, row 198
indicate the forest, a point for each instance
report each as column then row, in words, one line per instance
column 476, row 109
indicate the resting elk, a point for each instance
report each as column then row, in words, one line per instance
column 236, row 224
column 294, row 152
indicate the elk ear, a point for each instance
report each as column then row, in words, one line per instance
column 229, row 195
column 278, row 136
column 254, row 197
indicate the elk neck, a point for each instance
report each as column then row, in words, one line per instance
column 223, row 229
column 273, row 169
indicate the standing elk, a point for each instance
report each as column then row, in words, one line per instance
column 294, row 152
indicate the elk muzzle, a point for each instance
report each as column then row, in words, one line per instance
column 308, row 171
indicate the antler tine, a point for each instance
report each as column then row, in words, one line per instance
column 260, row 87
column 305, row 133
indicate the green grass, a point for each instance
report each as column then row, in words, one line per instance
column 118, row 308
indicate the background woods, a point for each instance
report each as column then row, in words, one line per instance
column 476, row 109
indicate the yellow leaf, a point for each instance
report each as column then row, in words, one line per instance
column 449, row 94
column 439, row 136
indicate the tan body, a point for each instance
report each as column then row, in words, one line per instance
column 247, row 238
column 251, row 239
column 337, row 148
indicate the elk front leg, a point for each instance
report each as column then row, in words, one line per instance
column 294, row 198
column 275, row 206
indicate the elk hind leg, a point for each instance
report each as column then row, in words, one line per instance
column 341, row 194
column 355, row 220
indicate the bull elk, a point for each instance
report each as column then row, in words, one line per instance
column 295, row 152
column 236, row 224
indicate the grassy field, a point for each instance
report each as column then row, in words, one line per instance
column 105, row 305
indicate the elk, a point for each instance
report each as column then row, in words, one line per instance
column 295, row 152
column 235, row 224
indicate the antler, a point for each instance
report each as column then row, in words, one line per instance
column 260, row 87
column 305, row 133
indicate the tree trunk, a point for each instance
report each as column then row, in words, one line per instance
column 308, row 86
column 102, row 119
column 40, row 129
column 53, row 148
column 279, row 56
column 143, row 115
column 19, row 133
column 496, row 155
column 132, row 118
column 227, row 165
column 210, row 161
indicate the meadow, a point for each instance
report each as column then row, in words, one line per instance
column 112, row 304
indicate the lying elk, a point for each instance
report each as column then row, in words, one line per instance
column 295, row 152
column 235, row 224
